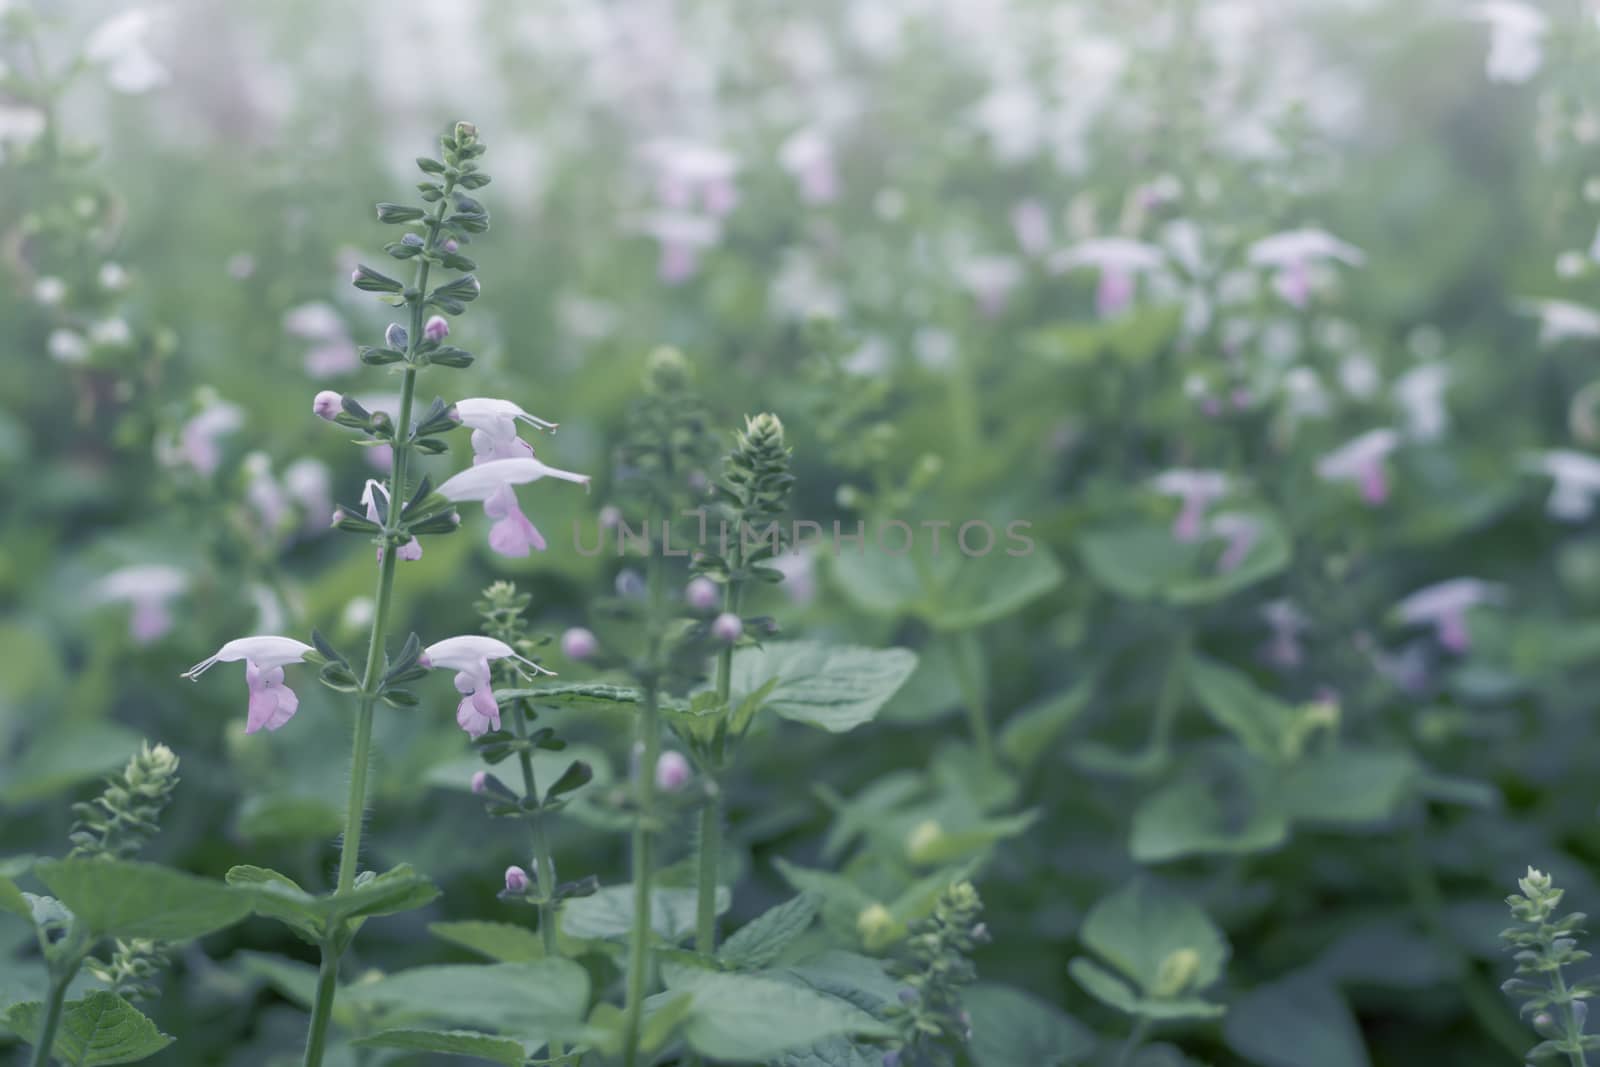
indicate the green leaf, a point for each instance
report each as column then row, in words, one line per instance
column 753, row 1017
column 833, row 687
column 12, row 900
column 578, row 696
column 527, row 1000
column 502, row 1050
column 1011, row 1028
column 64, row 756
column 393, row 891
column 114, row 898
column 1116, row 993
column 277, row 896
column 102, row 1028
column 759, row 943
column 1348, row 785
column 1160, row 940
column 501, row 942
column 1261, row 722
column 1223, row 813
column 1030, row 733
column 1142, row 561
column 950, row 590
column 608, row 914
column 1298, row 1021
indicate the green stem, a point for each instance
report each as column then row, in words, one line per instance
column 1574, row 1033
column 705, row 938
column 1171, row 698
column 322, row 1007
column 544, row 860
column 361, row 750
column 52, row 1018
column 1141, row 1030
column 649, row 748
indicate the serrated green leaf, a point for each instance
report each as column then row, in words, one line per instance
column 526, row 1000
column 115, row 898
column 608, row 914
column 1011, row 1028
column 753, row 1017
column 834, row 687
column 501, row 942
column 100, row 1029
column 759, row 942
column 1260, row 721
column 1030, row 733
column 1298, row 1021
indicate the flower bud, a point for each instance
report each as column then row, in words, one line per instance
column 436, row 329
column 610, row 517
column 480, row 782
column 49, row 291
column 395, row 336
column 727, row 627
column 451, row 245
column 516, row 880
column 327, row 405
column 113, row 278
column 672, row 772
column 701, row 594
column 579, row 643
column 412, row 240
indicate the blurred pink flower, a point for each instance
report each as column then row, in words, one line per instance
column 1444, row 606
column 808, row 158
column 1197, row 490
column 1294, row 253
column 1363, row 462
column 148, row 588
column 1120, row 262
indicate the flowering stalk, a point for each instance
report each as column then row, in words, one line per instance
column 1545, row 943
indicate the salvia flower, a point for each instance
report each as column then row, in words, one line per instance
column 271, row 702
column 1444, row 606
column 1420, row 394
column 516, row 880
column 493, row 484
column 469, row 656
column 1294, row 254
column 327, row 404
column 702, row 594
column 727, row 627
column 1286, row 623
column 1120, row 261
column 1362, row 461
column 1030, row 222
column 149, row 589
column 808, row 158
column 494, row 428
column 120, row 46
column 436, row 329
column 1240, row 532
column 1561, row 320
column 579, row 643
column 199, row 441
column 412, row 549
column 1577, row 483
column 682, row 238
column 990, row 280
column 1198, row 490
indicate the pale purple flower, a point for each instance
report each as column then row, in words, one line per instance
column 1295, row 254
column 67, row 346
column 1030, row 222
column 799, row 570
column 682, row 238
column 1120, row 261
column 492, row 483
column 309, row 483
column 1420, row 394
column 1241, row 532
column 516, row 880
column 327, row 404
column 1444, row 606
column 412, row 549
column 690, row 174
column 672, row 771
column 494, row 428
column 394, row 336
column 436, row 329
column 480, row 782
column 1287, row 623
column 264, row 493
column 808, row 158
column 148, row 588
column 1406, row 670
column 702, row 594
column 469, row 656
column 1576, row 478
column 199, row 440
column 1362, row 461
column 271, row 702
column 990, row 279
column 1197, row 490
column 332, row 352
column 727, row 627
column 579, row 644
column 1516, row 32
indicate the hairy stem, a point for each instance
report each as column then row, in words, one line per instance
column 361, row 750
column 543, row 859
column 649, row 749
column 54, row 1000
column 967, row 651
column 705, row 936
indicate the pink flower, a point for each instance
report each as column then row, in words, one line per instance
column 469, row 656
column 1294, row 254
column 271, row 702
column 1576, row 483
column 990, row 279
column 808, row 157
column 436, row 329
column 199, row 442
column 727, row 627
column 672, row 772
column 702, row 594
column 687, row 172
column 494, row 428
column 682, row 238
column 327, row 405
column 1241, row 533
column 1287, row 623
column 491, row 482
column 480, row 782
column 1444, row 606
column 1030, row 221
column 516, row 880
column 1198, row 490
column 1362, row 461
column 149, row 589
column 412, row 549
column 579, row 643
column 1120, row 262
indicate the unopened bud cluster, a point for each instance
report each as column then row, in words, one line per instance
column 118, row 822
column 1545, row 943
column 935, row 965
